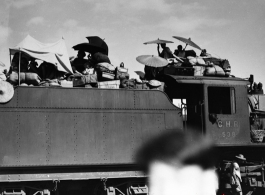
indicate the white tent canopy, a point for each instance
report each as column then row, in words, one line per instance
column 55, row 53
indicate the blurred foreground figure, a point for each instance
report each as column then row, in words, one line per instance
column 235, row 176
column 179, row 163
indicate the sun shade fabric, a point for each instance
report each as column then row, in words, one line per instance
column 55, row 53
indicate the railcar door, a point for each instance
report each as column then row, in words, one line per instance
column 226, row 111
column 189, row 97
column 195, row 108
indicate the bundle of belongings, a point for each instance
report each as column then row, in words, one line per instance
column 3, row 71
column 96, row 71
column 191, row 65
column 23, row 73
column 26, row 71
column 150, row 79
column 110, row 76
column 31, row 74
column 105, row 71
column 146, row 85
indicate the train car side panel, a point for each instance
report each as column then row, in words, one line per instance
column 227, row 119
column 45, row 134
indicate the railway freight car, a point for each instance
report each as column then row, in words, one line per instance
column 57, row 140
column 78, row 140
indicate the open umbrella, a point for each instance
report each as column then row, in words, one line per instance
column 95, row 44
column 187, row 41
column 140, row 74
column 158, row 41
column 151, row 60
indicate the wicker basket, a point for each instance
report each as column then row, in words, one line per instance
column 257, row 135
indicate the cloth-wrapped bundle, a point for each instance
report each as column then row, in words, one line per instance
column 25, row 77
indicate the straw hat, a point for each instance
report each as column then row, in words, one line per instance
column 154, row 83
column 241, row 157
column 6, row 91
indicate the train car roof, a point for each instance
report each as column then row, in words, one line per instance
column 207, row 80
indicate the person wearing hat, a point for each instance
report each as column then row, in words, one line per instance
column 235, row 176
column 154, row 84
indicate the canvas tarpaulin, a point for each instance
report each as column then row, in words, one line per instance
column 55, row 53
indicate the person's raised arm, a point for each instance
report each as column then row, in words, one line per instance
column 158, row 50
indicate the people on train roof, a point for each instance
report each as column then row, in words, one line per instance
column 166, row 52
column 15, row 63
column 204, row 53
column 49, row 71
column 78, row 64
column 23, row 63
column 256, row 88
column 180, row 52
column 33, row 66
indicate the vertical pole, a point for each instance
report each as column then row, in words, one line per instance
column 10, row 58
column 10, row 67
column 202, row 118
column 262, row 172
column 19, row 68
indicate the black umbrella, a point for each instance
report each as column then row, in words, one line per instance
column 95, row 44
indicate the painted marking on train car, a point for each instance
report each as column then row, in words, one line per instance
column 227, row 124
column 228, row 134
column 226, row 129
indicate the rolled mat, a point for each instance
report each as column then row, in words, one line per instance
column 6, row 91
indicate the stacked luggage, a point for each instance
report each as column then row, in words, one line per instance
column 200, row 66
column 105, row 75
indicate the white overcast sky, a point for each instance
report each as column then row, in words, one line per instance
column 230, row 29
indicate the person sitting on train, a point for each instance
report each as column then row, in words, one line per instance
column 259, row 88
column 150, row 72
column 48, row 71
column 78, row 64
column 180, row 52
column 89, row 68
column 204, row 53
column 166, row 52
column 33, row 66
column 23, row 63
column 254, row 88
